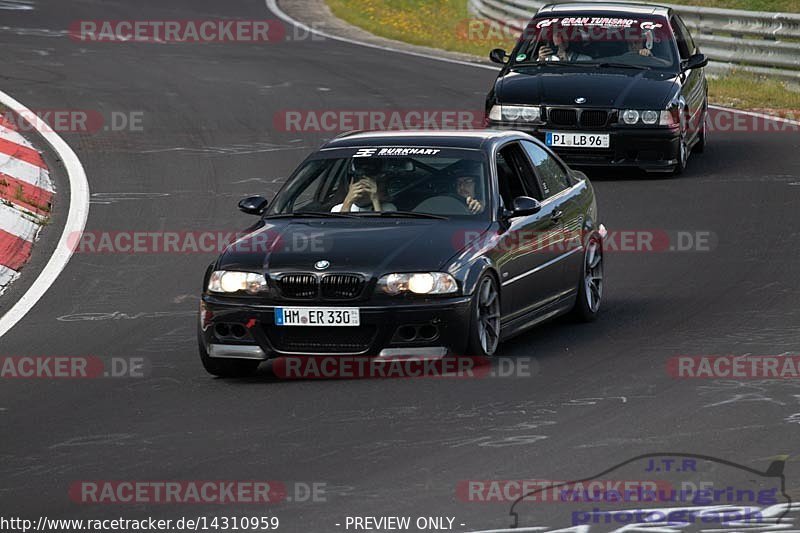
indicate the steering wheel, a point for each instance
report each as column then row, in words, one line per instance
column 444, row 204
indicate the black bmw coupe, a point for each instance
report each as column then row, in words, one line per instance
column 405, row 243
column 605, row 84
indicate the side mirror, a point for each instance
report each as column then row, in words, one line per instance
column 498, row 55
column 253, row 205
column 524, row 206
column 695, row 61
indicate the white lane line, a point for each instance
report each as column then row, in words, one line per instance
column 272, row 5
column 13, row 222
column 14, row 136
column 24, row 171
column 757, row 115
column 6, row 277
column 76, row 218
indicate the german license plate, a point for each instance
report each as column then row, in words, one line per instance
column 317, row 316
column 578, row 140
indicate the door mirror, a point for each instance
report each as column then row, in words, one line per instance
column 253, row 205
column 498, row 55
column 695, row 61
column 524, row 206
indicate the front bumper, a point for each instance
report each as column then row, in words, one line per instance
column 655, row 149
column 440, row 327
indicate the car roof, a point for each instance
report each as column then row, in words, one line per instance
column 605, row 7
column 466, row 139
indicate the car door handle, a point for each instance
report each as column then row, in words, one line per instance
column 556, row 216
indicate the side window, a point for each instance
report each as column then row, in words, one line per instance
column 512, row 173
column 682, row 38
column 552, row 175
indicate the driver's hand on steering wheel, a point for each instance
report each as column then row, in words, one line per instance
column 645, row 52
column 474, row 205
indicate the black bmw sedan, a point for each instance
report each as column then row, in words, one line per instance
column 405, row 243
column 605, row 84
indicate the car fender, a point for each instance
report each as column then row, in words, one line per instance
column 476, row 270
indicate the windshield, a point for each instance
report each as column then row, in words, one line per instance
column 387, row 180
column 639, row 42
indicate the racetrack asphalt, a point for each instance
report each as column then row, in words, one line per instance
column 598, row 393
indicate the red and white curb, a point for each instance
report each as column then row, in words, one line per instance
column 26, row 194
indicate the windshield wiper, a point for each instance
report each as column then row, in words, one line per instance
column 317, row 214
column 405, row 214
column 623, row 65
column 552, row 63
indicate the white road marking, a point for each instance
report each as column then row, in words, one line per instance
column 76, row 218
column 272, row 5
column 757, row 115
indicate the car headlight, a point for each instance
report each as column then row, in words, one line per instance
column 650, row 117
column 630, row 117
column 418, row 283
column 228, row 282
column 514, row 113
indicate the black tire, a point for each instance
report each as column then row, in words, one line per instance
column 226, row 368
column 586, row 309
column 484, row 318
column 700, row 146
column 683, row 151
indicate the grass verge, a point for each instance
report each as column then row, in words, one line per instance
column 445, row 24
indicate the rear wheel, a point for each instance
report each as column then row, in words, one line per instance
column 226, row 368
column 484, row 331
column 590, row 287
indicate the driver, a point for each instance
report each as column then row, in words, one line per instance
column 562, row 52
column 637, row 44
column 465, row 188
column 366, row 192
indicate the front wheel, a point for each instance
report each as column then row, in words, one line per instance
column 590, row 286
column 226, row 368
column 702, row 135
column 683, row 151
column 484, row 331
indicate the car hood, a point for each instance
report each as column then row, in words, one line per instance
column 607, row 87
column 371, row 247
